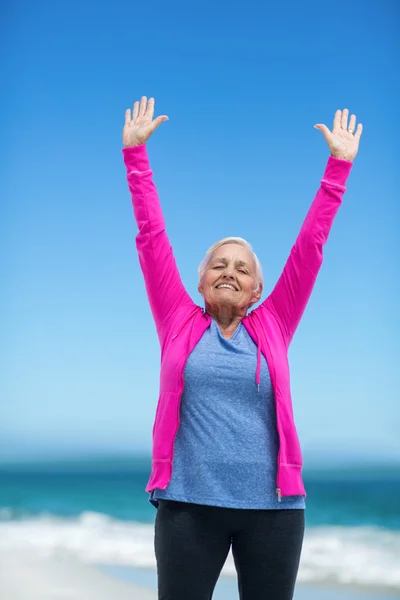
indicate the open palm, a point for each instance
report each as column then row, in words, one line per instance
column 343, row 141
column 140, row 127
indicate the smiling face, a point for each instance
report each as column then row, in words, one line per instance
column 230, row 279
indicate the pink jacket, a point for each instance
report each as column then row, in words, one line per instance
column 180, row 323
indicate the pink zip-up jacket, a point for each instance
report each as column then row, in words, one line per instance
column 180, row 323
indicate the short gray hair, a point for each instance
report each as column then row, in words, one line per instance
column 231, row 240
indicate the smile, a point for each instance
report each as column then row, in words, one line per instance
column 228, row 286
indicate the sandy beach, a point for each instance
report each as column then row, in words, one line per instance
column 34, row 576
column 37, row 576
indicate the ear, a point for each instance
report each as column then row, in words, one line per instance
column 257, row 294
column 199, row 288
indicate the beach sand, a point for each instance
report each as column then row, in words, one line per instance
column 37, row 577
column 34, row 576
column 227, row 587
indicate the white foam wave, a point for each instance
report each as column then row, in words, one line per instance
column 367, row 556
column 364, row 556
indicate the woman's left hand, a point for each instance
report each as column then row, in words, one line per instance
column 343, row 141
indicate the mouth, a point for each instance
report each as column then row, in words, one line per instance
column 227, row 286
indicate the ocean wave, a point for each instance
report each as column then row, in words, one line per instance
column 366, row 556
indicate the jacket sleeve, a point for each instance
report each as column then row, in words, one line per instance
column 163, row 283
column 291, row 293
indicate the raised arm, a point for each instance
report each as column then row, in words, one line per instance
column 164, row 287
column 291, row 293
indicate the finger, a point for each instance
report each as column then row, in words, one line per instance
column 150, row 109
column 127, row 116
column 337, row 120
column 345, row 116
column 324, row 130
column 352, row 124
column 143, row 104
column 359, row 131
column 157, row 122
column 135, row 110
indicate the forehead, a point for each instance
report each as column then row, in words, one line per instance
column 235, row 252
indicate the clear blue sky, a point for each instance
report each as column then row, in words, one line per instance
column 243, row 84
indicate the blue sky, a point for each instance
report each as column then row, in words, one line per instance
column 243, row 84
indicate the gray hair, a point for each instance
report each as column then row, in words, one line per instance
column 231, row 240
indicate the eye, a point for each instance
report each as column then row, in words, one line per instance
column 243, row 271
column 218, row 267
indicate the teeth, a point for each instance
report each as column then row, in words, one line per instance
column 225, row 285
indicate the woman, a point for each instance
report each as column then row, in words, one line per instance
column 226, row 468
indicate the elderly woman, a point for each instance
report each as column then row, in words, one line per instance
column 227, row 464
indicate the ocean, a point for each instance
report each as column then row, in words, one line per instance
column 98, row 511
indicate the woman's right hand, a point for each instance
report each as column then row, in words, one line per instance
column 139, row 128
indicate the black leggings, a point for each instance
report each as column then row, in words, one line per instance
column 192, row 542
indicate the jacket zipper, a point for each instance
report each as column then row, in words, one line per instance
column 182, row 378
column 278, row 489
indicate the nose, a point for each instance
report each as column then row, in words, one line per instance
column 228, row 274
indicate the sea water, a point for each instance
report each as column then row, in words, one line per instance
column 98, row 510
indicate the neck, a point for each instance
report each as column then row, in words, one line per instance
column 227, row 321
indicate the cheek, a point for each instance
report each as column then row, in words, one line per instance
column 207, row 283
column 250, row 285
